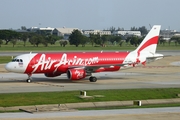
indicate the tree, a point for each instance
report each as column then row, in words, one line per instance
column 52, row 39
column 23, row 28
column 8, row 35
column 112, row 29
column 75, row 38
column 97, row 39
column 44, row 41
column 104, row 38
column 176, row 39
column 134, row 29
column 14, row 41
column 120, row 29
column 128, row 40
column 161, row 40
column 134, row 41
column 84, row 40
column 169, row 42
column 63, row 43
column 143, row 30
column 24, row 37
column 114, row 39
column 120, row 43
column 1, row 42
column 91, row 38
column 36, row 40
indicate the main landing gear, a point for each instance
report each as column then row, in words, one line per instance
column 29, row 78
column 92, row 79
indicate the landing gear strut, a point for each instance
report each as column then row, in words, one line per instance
column 92, row 79
column 29, row 78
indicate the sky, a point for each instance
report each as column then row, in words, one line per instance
column 90, row 14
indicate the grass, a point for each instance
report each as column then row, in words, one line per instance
column 5, row 59
column 39, row 98
column 10, row 111
column 19, row 47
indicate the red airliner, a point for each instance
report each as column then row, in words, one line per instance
column 78, row 65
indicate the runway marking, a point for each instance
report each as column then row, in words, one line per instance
column 48, row 84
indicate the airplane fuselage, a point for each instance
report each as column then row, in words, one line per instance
column 78, row 65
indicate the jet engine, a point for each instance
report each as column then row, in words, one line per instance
column 76, row 74
column 52, row 74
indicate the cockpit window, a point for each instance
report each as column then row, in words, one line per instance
column 17, row 60
column 13, row 60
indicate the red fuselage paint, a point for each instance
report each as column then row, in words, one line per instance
column 61, row 62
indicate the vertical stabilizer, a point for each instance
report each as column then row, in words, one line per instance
column 149, row 43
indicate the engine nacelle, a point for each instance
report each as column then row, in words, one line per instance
column 52, row 74
column 76, row 74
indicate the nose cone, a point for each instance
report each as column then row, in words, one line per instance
column 15, row 67
column 8, row 67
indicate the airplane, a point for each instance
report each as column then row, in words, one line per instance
column 78, row 65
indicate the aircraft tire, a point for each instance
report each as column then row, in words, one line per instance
column 28, row 80
column 92, row 79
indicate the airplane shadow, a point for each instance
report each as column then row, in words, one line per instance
column 85, row 80
column 63, row 80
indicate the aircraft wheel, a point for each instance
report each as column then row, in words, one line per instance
column 28, row 80
column 92, row 79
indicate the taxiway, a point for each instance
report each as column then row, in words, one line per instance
column 164, row 73
column 159, row 74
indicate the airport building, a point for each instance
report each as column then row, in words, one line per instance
column 95, row 32
column 127, row 33
column 65, row 32
column 167, row 34
column 41, row 30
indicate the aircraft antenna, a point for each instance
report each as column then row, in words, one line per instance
column 150, row 26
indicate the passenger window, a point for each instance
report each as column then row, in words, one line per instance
column 21, row 60
column 17, row 60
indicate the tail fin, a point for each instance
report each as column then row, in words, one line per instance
column 149, row 43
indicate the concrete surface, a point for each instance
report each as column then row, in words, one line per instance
column 159, row 74
column 169, row 113
column 164, row 73
column 72, row 106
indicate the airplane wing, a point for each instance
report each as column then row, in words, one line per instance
column 93, row 68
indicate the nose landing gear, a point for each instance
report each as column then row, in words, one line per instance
column 29, row 78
